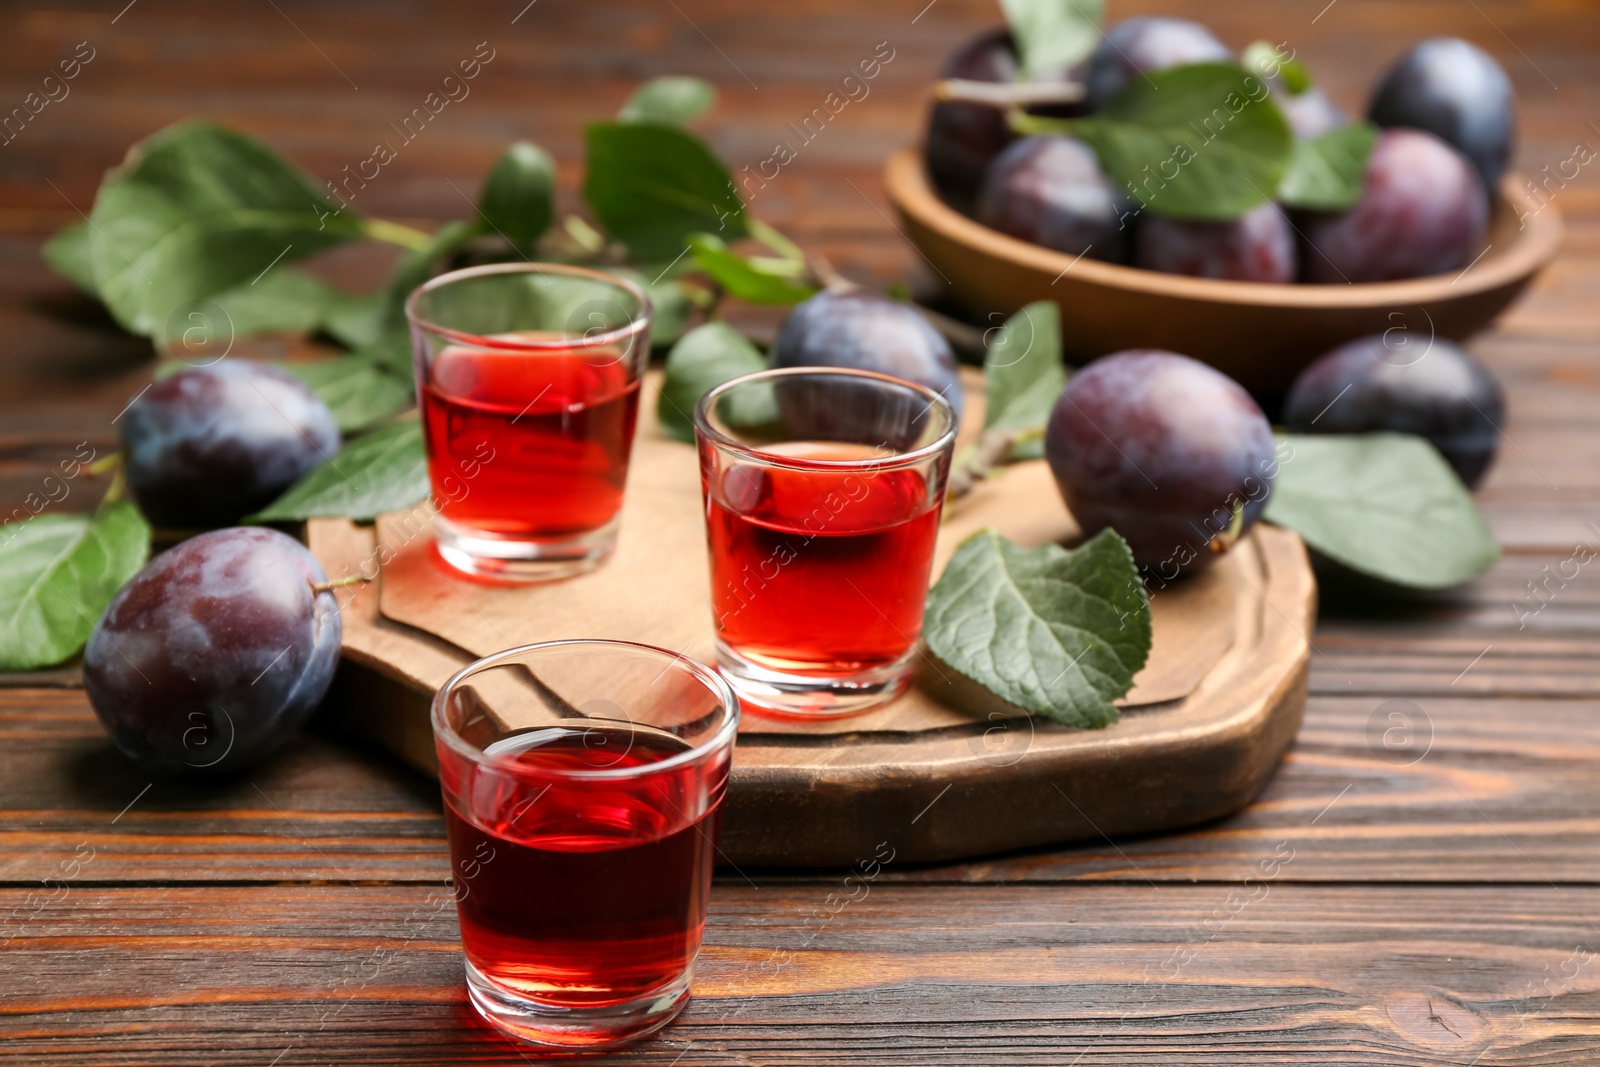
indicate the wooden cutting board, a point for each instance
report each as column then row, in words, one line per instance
column 944, row 772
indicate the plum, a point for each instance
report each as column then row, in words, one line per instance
column 963, row 138
column 1421, row 211
column 1164, row 450
column 860, row 331
column 209, row 445
column 1259, row 246
column 1443, row 394
column 1050, row 190
column 1139, row 46
column 1457, row 92
column 214, row 653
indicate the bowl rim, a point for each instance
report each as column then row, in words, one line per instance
column 912, row 194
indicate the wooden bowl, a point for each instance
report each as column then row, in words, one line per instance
column 1261, row 335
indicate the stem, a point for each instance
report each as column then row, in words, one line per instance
column 114, row 491
column 113, row 462
column 396, row 234
column 339, row 583
column 831, row 279
column 1027, row 125
column 1007, row 94
column 979, row 461
column 1229, row 537
column 584, row 235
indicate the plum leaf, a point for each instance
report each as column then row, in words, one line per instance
column 671, row 100
column 67, row 253
column 1385, row 504
column 382, row 471
column 1325, row 172
column 1023, row 375
column 706, row 357
column 1057, row 632
column 1198, row 142
column 1053, row 35
column 58, row 573
column 359, row 392
column 195, row 210
column 744, row 278
column 652, row 186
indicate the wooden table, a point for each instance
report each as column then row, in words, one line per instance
column 1422, row 898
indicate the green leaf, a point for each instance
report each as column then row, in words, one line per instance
column 652, row 186
column 355, row 319
column 384, row 471
column 391, row 352
column 1053, row 36
column 1023, row 375
column 58, row 573
column 359, row 393
column 707, row 356
column 1057, row 632
column 743, row 278
column 1199, row 142
column 669, row 101
column 1325, row 172
column 1385, row 504
column 67, row 253
column 518, row 198
column 280, row 300
column 195, row 210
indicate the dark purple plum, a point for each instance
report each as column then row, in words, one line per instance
column 1457, row 92
column 1310, row 114
column 963, row 138
column 1139, row 46
column 214, row 653
column 1164, row 450
column 1051, row 191
column 1422, row 211
column 209, row 445
column 860, row 331
column 1259, row 246
column 1435, row 390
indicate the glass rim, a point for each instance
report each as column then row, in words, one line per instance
column 710, row 678
column 636, row 325
column 936, row 401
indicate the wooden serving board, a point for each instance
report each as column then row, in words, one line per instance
column 944, row 772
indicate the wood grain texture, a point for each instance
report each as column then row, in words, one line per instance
column 1416, row 924
column 802, row 974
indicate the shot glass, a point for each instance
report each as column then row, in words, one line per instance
column 528, row 382
column 823, row 490
column 582, row 787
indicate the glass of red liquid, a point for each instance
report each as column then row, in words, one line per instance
column 823, row 490
column 528, row 382
column 582, row 787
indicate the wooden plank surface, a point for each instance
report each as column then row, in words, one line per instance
column 1439, row 905
column 958, row 975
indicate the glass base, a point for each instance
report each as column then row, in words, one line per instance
column 810, row 696
column 509, row 559
column 557, row 1026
